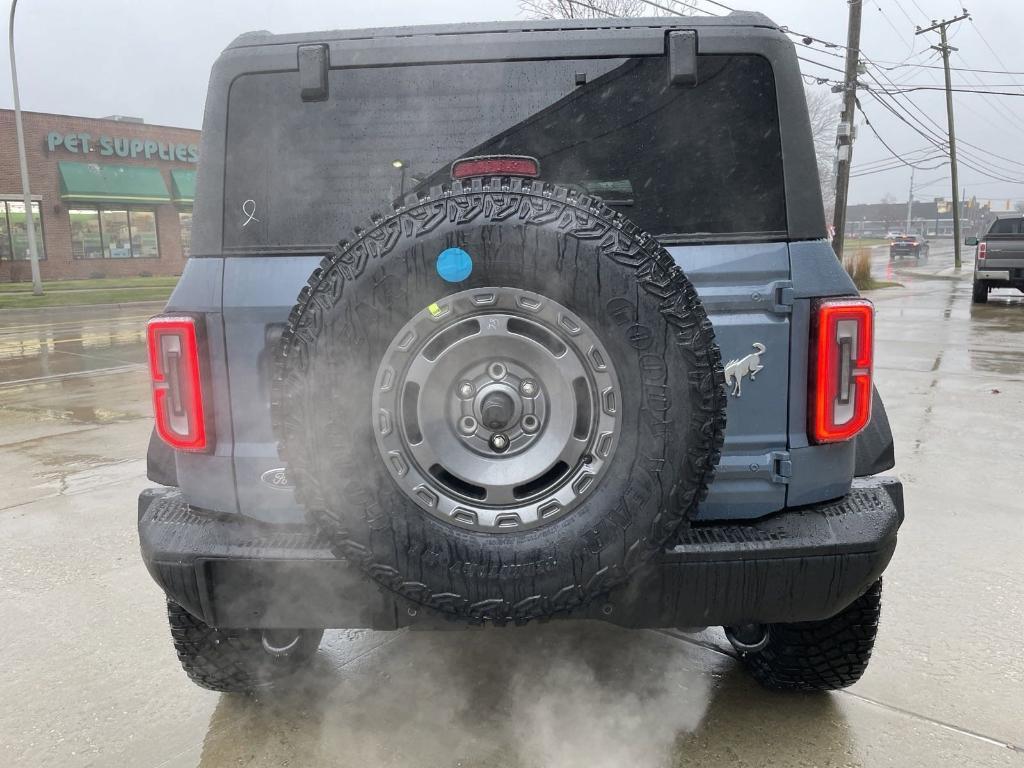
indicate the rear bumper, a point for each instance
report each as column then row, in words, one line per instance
column 798, row 565
column 993, row 274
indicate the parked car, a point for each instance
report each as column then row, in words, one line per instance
column 504, row 398
column 908, row 247
column 999, row 259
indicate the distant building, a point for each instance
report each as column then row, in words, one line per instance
column 110, row 197
column 931, row 219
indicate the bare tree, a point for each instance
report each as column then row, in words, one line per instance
column 600, row 9
column 823, row 110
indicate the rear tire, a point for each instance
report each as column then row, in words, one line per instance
column 979, row 292
column 818, row 655
column 237, row 660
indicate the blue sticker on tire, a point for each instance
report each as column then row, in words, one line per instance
column 454, row 265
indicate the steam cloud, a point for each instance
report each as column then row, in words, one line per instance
column 561, row 695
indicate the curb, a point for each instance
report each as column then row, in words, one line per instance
column 156, row 303
column 930, row 275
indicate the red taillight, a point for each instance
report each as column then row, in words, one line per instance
column 841, row 364
column 982, row 251
column 177, row 386
column 496, row 165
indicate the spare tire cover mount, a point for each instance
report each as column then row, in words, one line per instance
column 496, row 409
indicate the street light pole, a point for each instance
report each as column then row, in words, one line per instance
column 30, row 224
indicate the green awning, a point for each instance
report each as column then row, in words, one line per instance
column 183, row 185
column 111, row 183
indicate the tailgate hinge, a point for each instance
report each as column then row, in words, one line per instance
column 784, row 295
column 773, row 466
column 781, row 466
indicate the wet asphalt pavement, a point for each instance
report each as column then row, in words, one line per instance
column 90, row 677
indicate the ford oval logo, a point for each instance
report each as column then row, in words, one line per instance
column 276, row 478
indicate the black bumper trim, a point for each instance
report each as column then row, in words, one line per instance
column 797, row 565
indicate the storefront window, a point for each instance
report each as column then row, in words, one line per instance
column 85, row 234
column 14, row 231
column 185, row 222
column 143, row 230
column 114, row 229
column 113, row 233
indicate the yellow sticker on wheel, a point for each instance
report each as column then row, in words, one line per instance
column 434, row 310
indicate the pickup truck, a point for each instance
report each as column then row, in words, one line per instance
column 999, row 262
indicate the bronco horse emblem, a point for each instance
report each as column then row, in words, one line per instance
column 750, row 365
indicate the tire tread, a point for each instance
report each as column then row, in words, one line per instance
column 819, row 655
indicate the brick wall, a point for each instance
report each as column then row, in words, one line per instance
column 45, row 188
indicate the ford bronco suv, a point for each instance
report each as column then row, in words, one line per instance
column 584, row 351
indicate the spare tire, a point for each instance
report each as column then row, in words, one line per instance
column 500, row 400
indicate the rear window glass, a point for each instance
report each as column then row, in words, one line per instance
column 1006, row 227
column 680, row 161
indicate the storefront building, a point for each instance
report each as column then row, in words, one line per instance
column 110, row 197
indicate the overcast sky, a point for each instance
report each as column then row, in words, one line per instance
column 152, row 59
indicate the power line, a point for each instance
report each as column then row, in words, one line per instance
column 976, row 164
column 973, row 163
column 723, row 6
column 894, row 65
column 819, row 50
column 903, row 88
column 904, row 11
column 583, row 4
column 936, row 138
column 939, row 134
column 921, row 151
column 936, row 135
column 910, row 88
column 889, row 65
column 900, row 161
column 913, row 40
column 675, row 11
column 995, row 55
column 884, row 143
column 999, row 109
column 820, row 64
column 894, row 167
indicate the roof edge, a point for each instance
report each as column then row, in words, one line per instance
column 101, row 120
column 734, row 19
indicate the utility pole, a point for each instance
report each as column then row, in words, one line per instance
column 30, row 222
column 944, row 48
column 910, row 201
column 844, row 135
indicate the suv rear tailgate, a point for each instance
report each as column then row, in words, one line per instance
column 746, row 290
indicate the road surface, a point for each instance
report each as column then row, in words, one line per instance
column 90, row 677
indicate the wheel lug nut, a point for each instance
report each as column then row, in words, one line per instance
column 498, row 442
column 496, row 371
column 528, row 387
column 530, row 423
column 466, row 390
column 467, row 425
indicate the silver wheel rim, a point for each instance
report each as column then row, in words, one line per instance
column 496, row 409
